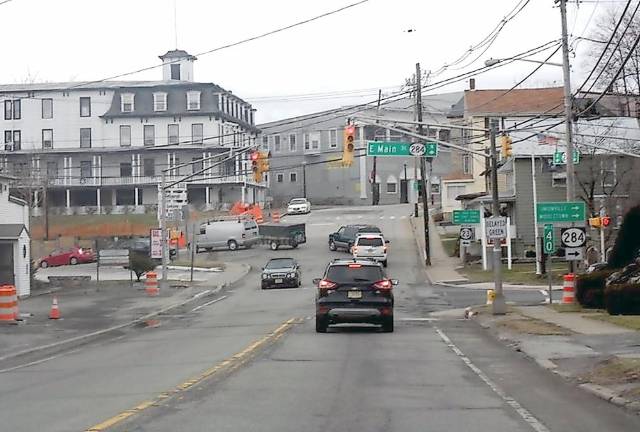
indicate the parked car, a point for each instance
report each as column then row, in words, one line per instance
column 281, row 272
column 299, row 205
column 345, row 237
column 73, row 256
column 230, row 234
column 372, row 247
column 354, row 291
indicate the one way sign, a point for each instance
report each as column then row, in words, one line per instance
column 574, row 254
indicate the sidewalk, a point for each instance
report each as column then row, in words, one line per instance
column 93, row 309
column 601, row 358
column 443, row 267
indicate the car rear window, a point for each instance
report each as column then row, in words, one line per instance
column 365, row 241
column 370, row 229
column 354, row 273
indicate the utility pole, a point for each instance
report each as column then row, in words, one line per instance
column 499, row 306
column 374, row 190
column 568, row 111
column 423, row 170
column 304, row 179
column 163, row 229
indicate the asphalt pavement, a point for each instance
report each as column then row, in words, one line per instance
column 250, row 360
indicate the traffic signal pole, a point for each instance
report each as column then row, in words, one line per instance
column 423, row 170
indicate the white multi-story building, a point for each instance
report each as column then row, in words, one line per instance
column 100, row 147
column 15, row 253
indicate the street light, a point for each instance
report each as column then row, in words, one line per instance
column 493, row 62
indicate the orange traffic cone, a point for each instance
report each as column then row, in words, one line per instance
column 55, row 312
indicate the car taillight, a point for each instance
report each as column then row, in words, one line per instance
column 385, row 249
column 354, row 250
column 384, row 284
column 325, row 287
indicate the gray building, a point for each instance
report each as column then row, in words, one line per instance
column 100, row 147
column 305, row 152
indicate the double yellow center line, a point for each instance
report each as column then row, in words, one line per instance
column 227, row 365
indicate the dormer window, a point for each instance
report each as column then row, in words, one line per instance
column 126, row 104
column 159, row 101
column 193, row 100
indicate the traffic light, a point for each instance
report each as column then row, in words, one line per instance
column 596, row 222
column 605, row 221
column 255, row 166
column 349, row 146
column 507, row 146
column 263, row 163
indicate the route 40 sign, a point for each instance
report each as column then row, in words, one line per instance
column 573, row 237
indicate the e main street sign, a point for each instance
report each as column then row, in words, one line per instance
column 400, row 148
column 550, row 212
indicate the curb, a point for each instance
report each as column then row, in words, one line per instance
column 420, row 251
column 198, row 269
column 89, row 336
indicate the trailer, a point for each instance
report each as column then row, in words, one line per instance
column 277, row 234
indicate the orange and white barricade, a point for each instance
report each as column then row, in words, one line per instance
column 275, row 216
column 568, row 289
column 8, row 304
column 151, row 284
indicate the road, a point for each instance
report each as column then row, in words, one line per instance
column 250, row 360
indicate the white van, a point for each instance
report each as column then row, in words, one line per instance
column 230, row 234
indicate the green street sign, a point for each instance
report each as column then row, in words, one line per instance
column 463, row 217
column 549, row 239
column 400, row 148
column 549, row 212
column 560, row 158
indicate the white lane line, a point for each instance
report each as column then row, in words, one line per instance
column 36, row 362
column 523, row 412
column 392, row 217
column 382, row 217
column 403, row 217
column 197, row 308
column 321, row 224
column 360, row 217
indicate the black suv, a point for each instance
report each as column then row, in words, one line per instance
column 354, row 291
column 345, row 237
column 281, row 273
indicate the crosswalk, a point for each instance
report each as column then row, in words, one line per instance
column 337, row 219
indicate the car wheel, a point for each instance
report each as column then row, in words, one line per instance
column 263, row 286
column 384, row 263
column 387, row 325
column 321, row 325
column 332, row 246
column 274, row 245
column 233, row 245
column 294, row 244
column 73, row 261
column 299, row 283
column 44, row 264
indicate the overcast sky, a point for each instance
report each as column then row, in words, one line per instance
column 362, row 48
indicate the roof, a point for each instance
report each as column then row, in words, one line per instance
column 94, row 85
column 176, row 53
column 17, row 200
column 11, row 231
column 517, row 101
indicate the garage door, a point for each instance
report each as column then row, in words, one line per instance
column 6, row 264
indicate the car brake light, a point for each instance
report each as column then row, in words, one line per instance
column 355, row 265
column 354, row 250
column 326, row 284
column 384, row 284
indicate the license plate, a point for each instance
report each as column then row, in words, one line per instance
column 354, row 294
column 278, row 280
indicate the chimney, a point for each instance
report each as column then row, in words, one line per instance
column 472, row 83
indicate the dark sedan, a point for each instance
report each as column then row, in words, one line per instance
column 281, row 273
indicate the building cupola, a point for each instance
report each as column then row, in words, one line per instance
column 177, row 65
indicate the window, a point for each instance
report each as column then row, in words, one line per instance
column 85, row 170
column 265, row 142
column 197, row 134
column 52, row 169
column 12, row 109
column 16, row 140
column 608, row 171
column 173, row 134
column 333, row 138
column 392, row 185
column 467, row 164
column 357, row 135
column 196, row 166
column 193, row 100
column 85, row 137
column 126, row 102
column 159, row 101
column 559, row 179
column 125, row 169
column 47, row 138
column 175, row 71
column 47, row 108
column 276, row 144
column 315, row 140
column 293, row 177
column 125, row 136
column 85, row 107
column 307, row 143
column 7, row 137
column 149, row 132
column 454, row 190
column 292, row 143
column 280, row 178
column 149, row 167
